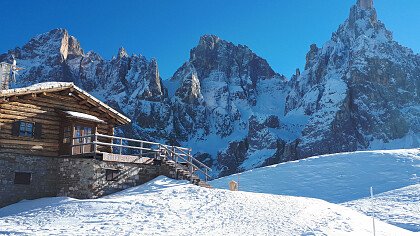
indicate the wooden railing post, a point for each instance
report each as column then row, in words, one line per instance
column 191, row 166
column 72, row 146
column 121, row 143
column 176, row 163
column 160, row 151
column 95, row 139
column 141, row 150
column 82, row 148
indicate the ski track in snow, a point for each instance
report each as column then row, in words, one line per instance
column 169, row 207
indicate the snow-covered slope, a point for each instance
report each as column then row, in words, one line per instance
column 335, row 178
column 400, row 207
column 340, row 178
column 168, row 207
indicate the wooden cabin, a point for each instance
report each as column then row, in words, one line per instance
column 42, row 119
column 58, row 140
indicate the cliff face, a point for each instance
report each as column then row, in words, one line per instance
column 358, row 91
column 225, row 101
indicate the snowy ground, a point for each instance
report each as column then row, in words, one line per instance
column 345, row 178
column 168, row 207
column 399, row 207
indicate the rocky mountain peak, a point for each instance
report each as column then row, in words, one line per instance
column 364, row 10
column 208, row 41
column 365, row 4
column 122, row 53
column 155, row 88
column 362, row 27
column 53, row 43
column 214, row 56
column 206, row 54
column 189, row 90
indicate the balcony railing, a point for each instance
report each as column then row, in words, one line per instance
column 180, row 156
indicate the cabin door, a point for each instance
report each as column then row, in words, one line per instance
column 80, row 131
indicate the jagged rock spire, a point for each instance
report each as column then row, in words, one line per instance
column 122, row 52
column 365, row 4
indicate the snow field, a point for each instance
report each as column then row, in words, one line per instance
column 168, row 207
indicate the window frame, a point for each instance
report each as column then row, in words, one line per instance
column 112, row 174
column 25, row 132
column 81, row 130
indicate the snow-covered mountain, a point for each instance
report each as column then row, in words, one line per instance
column 169, row 207
column 227, row 104
column 359, row 91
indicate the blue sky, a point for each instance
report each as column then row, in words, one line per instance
column 277, row 30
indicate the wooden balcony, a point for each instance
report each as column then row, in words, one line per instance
column 139, row 152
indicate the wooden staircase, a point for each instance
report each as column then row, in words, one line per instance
column 182, row 172
column 185, row 166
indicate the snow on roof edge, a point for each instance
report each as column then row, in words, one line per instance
column 83, row 116
column 58, row 85
column 36, row 87
column 102, row 103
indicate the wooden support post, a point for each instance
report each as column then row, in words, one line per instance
column 176, row 165
column 141, row 150
column 95, row 147
column 121, row 143
column 72, row 146
column 82, row 147
column 95, row 139
column 160, row 151
column 190, row 167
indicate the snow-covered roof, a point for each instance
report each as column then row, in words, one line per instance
column 36, row 87
column 60, row 86
column 83, row 116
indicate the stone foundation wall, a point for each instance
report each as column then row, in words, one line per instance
column 43, row 177
column 75, row 177
column 86, row 178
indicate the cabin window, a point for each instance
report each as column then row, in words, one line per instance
column 81, row 131
column 23, row 178
column 87, row 131
column 26, row 129
column 79, row 138
column 111, row 175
